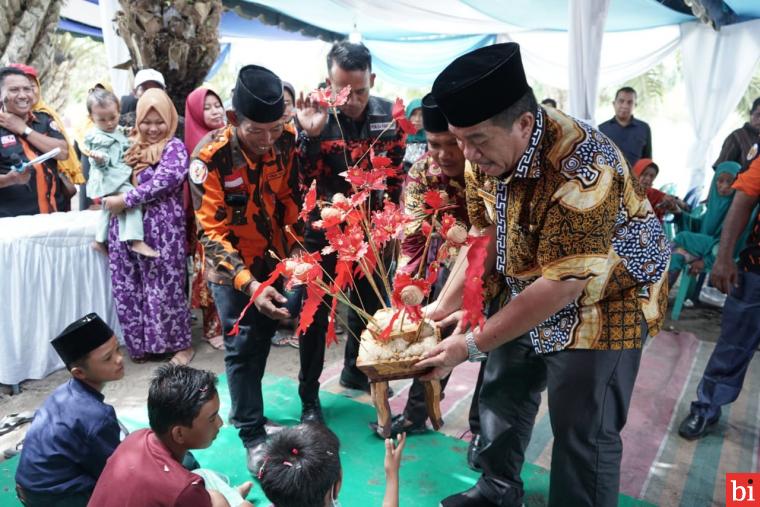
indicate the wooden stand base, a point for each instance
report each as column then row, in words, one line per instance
column 379, row 393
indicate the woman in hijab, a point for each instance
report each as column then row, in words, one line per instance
column 696, row 248
column 645, row 170
column 150, row 293
column 416, row 144
column 203, row 113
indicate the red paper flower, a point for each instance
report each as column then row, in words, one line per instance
column 388, row 223
column 399, row 114
column 349, row 245
column 310, row 201
column 325, row 97
column 373, row 179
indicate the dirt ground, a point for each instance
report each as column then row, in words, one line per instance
column 129, row 395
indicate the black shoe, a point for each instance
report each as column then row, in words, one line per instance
column 255, row 457
column 400, row 424
column 695, row 426
column 359, row 384
column 470, row 498
column 311, row 412
column 473, row 450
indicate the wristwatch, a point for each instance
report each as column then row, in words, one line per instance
column 474, row 355
column 26, row 132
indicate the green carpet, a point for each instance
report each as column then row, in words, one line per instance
column 433, row 464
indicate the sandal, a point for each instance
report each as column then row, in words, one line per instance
column 215, row 342
column 180, row 358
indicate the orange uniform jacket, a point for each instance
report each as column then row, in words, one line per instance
column 242, row 207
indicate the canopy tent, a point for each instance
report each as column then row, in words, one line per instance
column 576, row 45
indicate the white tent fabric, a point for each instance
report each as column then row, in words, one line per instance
column 116, row 50
column 586, row 34
column 624, row 55
column 717, row 67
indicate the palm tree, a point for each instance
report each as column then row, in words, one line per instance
column 27, row 28
column 179, row 38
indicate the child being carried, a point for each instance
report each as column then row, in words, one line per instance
column 105, row 145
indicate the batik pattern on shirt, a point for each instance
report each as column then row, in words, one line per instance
column 572, row 211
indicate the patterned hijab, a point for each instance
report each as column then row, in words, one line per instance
column 143, row 154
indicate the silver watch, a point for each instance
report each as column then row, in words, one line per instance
column 474, row 355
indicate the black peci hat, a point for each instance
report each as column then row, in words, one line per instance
column 81, row 337
column 258, row 94
column 480, row 84
column 433, row 119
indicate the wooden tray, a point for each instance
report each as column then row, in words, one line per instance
column 378, row 371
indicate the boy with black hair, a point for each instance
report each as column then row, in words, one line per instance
column 183, row 411
column 301, row 467
column 74, row 432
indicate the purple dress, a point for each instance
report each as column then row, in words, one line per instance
column 150, row 294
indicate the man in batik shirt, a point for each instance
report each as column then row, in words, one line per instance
column 583, row 257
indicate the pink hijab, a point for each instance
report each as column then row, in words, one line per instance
column 195, row 126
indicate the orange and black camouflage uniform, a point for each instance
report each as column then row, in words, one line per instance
column 242, row 208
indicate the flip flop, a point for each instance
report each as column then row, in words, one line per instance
column 13, row 421
column 218, row 346
column 181, row 362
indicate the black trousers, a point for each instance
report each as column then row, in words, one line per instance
column 33, row 499
column 245, row 360
column 589, row 392
column 312, row 343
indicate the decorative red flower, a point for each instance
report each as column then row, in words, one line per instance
column 325, row 97
column 349, row 244
column 388, row 223
column 373, row 179
column 399, row 114
column 310, row 201
column 378, row 162
column 435, row 201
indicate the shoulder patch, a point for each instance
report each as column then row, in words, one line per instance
column 198, row 172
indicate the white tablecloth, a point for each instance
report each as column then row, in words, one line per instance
column 49, row 277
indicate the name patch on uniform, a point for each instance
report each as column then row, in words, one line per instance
column 198, row 172
column 380, row 126
column 8, row 140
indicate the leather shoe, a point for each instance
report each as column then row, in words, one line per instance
column 272, row 427
column 311, row 412
column 695, row 426
column 473, row 450
column 400, row 424
column 470, row 498
column 254, row 457
column 359, row 385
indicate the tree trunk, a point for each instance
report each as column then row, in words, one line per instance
column 26, row 34
column 179, row 38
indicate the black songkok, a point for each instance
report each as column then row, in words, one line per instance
column 481, row 84
column 258, row 94
column 433, row 119
column 81, row 337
